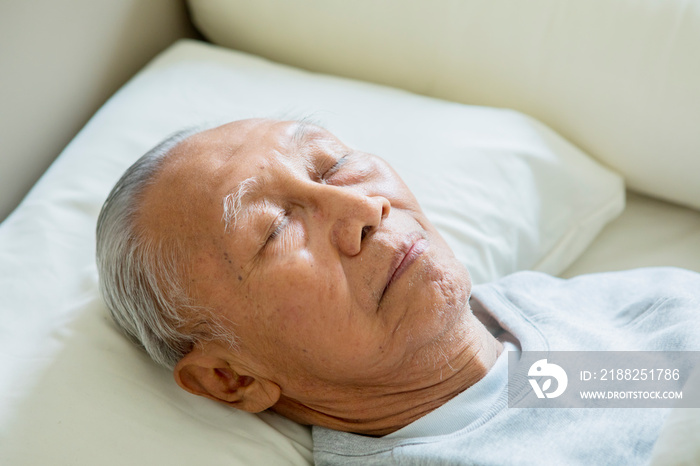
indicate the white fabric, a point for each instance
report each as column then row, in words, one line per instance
column 507, row 192
column 679, row 442
column 649, row 232
column 619, row 78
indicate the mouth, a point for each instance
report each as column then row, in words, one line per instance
column 406, row 255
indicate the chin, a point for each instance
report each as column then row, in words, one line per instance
column 442, row 300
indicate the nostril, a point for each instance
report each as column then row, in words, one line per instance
column 365, row 230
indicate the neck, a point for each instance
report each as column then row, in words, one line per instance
column 461, row 361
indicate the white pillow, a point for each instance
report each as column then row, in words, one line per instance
column 507, row 192
column 619, row 78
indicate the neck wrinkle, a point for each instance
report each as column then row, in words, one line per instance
column 385, row 414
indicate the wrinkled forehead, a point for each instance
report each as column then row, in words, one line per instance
column 254, row 135
column 219, row 144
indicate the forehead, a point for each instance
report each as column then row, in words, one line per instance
column 248, row 136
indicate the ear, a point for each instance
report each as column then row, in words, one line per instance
column 212, row 371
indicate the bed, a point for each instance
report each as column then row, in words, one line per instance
column 529, row 143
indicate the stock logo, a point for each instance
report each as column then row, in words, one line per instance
column 547, row 371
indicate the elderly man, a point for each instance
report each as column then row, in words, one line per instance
column 270, row 266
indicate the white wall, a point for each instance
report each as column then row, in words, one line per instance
column 59, row 61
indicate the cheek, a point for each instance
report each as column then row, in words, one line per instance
column 308, row 322
column 301, row 297
column 313, row 322
column 301, row 282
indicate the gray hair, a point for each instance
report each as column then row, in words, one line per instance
column 141, row 276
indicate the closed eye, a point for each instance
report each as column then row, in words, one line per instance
column 278, row 226
column 335, row 168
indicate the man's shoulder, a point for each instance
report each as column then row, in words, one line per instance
column 596, row 309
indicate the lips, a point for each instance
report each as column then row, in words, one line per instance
column 409, row 251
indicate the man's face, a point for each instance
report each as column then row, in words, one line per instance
column 329, row 272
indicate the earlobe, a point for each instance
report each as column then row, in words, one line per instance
column 207, row 372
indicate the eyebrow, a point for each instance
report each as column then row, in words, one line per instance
column 232, row 202
column 303, row 132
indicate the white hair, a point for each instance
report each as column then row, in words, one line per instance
column 232, row 202
column 141, row 276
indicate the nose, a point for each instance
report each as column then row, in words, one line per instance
column 352, row 216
